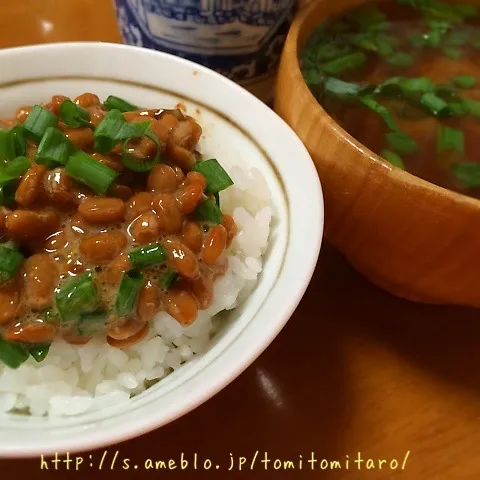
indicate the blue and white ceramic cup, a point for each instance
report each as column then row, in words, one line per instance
column 241, row 39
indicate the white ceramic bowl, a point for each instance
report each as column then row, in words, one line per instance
column 253, row 133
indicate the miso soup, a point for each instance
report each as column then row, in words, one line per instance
column 403, row 78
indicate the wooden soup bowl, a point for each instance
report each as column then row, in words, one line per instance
column 406, row 235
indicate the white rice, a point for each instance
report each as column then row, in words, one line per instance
column 76, row 379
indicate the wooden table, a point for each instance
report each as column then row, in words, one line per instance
column 355, row 370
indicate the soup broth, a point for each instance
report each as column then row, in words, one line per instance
column 402, row 77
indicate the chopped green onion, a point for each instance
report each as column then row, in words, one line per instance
column 14, row 169
column 468, row 173
column 37, row 122
column 312, row 76
column 438, row 29
column 20, row 142
column 7, row 193
column 402, row 143
column 339, row 88
column 348, row 62
column 472, row 106
column 393, row 158
column 458, row 109
column 329, row 51
column 169, row 277
column 12, row 354
column 54, row 149
column 464, row 81
column 385, row 45
column 117, row 103
column 91, row 323
column 146, row 256
column 365, row 41
column 85, row 169
column 381, row 110
column 208, row 211
column 449, row 139
column 417, row 85
column 435, row 105
column 457, row 39
column 39, row 352
column 417, row 40
column 130, row 286
column 7, row 145
column 406, row 86
column 10, row 262
column 401, row 59
column 114, row 128
column 73, row 115
column 453, row 53
column 215, row 175
column 144, row 165
column 51, row 315
column 106, row 133
column 77, row 297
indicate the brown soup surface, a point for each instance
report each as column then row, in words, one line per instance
column 402, row 77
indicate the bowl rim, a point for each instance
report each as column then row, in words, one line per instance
column 291, row 57
column 228, row 372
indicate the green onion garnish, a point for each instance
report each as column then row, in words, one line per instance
column 472, row 106
column 7, row 145
column 402, row 143
column 54, row 149
column 215, row 175
column 12, row 354
column 51, row 315
column 381, row 110
column 169, row 277
column 7, row 193
column 137, row 165
column 73, row 115
column 453, row 52
column 92, row 323
column 401, row 59
column 117, row 103
column 457, row 39
column 130, row 286
column 449, row 139
column 85, row 169
column 208, row 211
column 464, row 81
column 145, row 256
column 385, row 45
column 39, row 352
column 348, row 62
column 468, row 173
column 435, row 105
column 339, row 88
column 77, row 297
column 458, row 109
column 37, row 122
column 14, row 169
column 114, row 128
column 10, row 262
column 20, row 142
column 393, row 158
column 417, row 85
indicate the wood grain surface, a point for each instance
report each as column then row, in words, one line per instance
column 355, row 370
